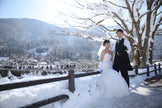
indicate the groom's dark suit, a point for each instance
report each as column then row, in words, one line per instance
column 121, row 61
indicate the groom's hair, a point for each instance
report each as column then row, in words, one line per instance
column 119, row 30
column 105, row 41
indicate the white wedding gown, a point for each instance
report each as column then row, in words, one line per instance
column 111, row 83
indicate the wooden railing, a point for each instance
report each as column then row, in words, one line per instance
column 70, row 77
column 148, row 69
column 46, row 101
column 11, row 86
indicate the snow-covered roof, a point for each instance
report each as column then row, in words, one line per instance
column 33, row 60
column 42, row 63
column 4, row 58
column 56, row 62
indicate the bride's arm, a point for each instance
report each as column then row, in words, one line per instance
column 111, row 52
column 102, row 55
column 101, row 59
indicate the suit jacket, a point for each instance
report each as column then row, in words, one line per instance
column 121, row 60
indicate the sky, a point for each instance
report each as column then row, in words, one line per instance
column 45, row 10
column 50, row 11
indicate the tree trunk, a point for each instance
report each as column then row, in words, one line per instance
column 136, row 59
column 151, row 53
column 142, row 62
column 142, row 57
column 135, row 56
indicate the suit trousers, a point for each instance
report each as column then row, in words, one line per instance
column 124, row 73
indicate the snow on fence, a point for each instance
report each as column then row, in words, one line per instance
column 70, row 77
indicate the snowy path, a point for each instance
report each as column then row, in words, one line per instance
column 141, row 96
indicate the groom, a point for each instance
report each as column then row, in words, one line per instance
column 121, row 60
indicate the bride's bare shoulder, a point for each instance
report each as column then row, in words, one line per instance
column 103, row 52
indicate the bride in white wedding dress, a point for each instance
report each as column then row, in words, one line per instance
column 111, row 83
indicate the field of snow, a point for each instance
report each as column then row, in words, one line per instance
column 86, row 95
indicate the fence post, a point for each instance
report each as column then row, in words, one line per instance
column 155, row 69
column 71, row 81
column 148, row 73
column 159, row 69
column 136, row 70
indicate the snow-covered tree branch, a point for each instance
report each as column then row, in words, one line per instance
column 140, row 19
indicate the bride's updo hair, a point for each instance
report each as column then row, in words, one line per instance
column 105, row 41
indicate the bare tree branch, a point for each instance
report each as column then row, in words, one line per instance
column 116, row 4
column 80, row 3
column 120, row 25
column 85, row 36
column 97, row 23
column 111, row 37
column 141, row 5
column 159, row 13
column 159, row 23
column 159, row 32
column 143, row 28
column 133, row 7
column 122, row 21
column 78, row 7
column 133, row 19
column 157, row 6
column 133, row 4
column 112, row 30
column 96, row 15
column 143, row 15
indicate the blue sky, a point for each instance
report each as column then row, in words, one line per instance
column 46, row 10
column 18, row 8
column 51, row 11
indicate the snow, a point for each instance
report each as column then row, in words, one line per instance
column 141, row 57
column 30, row 94
column 86, row 95
column 4, row 58
column 42, row 63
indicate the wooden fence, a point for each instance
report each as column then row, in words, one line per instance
column 148, row 69
column 70, row 77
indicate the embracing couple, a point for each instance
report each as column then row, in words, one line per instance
column 111, row 82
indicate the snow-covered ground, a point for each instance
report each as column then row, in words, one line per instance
column 86, row 95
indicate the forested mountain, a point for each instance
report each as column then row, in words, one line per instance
column 21, row 37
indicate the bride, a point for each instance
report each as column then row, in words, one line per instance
column 111, row 83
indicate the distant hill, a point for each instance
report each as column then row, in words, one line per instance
column 18, row 35
column 26, row 29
